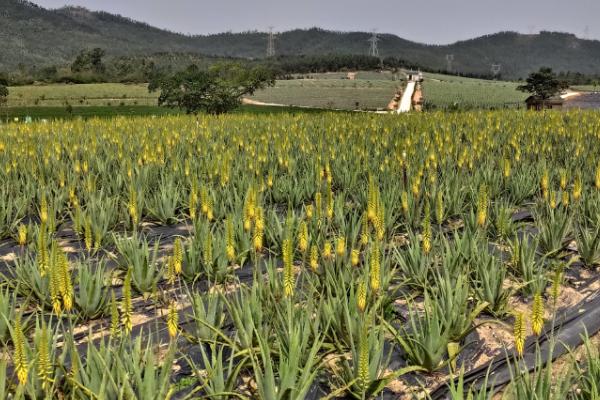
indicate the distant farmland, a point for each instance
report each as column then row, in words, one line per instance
column 371, row 90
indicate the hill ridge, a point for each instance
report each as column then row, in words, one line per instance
column 34, row 35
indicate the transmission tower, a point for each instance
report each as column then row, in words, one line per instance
column 374, row 50
column 496, row 70
column 271, row 43
column 586, row 32
column 449, row 61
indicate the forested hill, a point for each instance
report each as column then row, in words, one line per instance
column 32, row 35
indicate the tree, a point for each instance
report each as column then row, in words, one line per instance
column 89, row 60
column 543, row 84
column 215, row 90
column 3, row 90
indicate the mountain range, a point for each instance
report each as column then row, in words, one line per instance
column 32, row 35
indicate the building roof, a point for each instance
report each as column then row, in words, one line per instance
column 537, row 99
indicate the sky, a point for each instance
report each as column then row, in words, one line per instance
column 426, row 21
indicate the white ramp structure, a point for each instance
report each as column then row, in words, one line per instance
column 406, row 101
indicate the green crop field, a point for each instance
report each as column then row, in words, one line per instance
column 373, row 90
column 297, row 256
column 96, row 94
column 330, row 93
column 447, row 91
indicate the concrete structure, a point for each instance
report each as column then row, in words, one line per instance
column 537, row 104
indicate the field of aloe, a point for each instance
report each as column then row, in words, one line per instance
column 301, row 256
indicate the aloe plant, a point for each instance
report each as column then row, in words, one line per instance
column 92, row 295
column 222, row 371
column 540, row 383
column 297, row 344
column 425, row 340
column 588, row 245
column 8, row 301
column 588, row 374
column 527, row 266
column 140, row 375
column 489, row 283
column 96, row 375
column 137, row 255
column 554, row 230
column 209, row 316
column 450, row 295
column 413, row 264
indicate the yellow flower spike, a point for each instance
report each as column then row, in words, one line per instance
column 327, row 251
column 19, row 353
column 404, row 201
column 309, row 211
column 340, row 247
column 114, row 316
column 426, row 230
column 361, row 296
column 519, row 332
column 44, row 209
column 439, row 207
column 545, row 183
column 577, row 188
column 375, row 268
column 177, row 256
column 563, row 179
column 482, row 205
column 364, row 377
column 230, row 239
column 364, row 236
column 22, row 235
column 565, row 198
column 314, row 258
column 506, row 168
column 88, row 236
column 354, row 257
column 259, row 227
column 288, row 272
column 172, row 320
column 537, row 314
column 552, row 200
column 303, row 237
column 126, row 305
column 44, row 364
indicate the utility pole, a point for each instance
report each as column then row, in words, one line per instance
column 271, row 43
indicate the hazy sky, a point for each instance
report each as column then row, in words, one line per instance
column 430, row 21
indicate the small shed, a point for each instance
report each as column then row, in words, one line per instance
column 414, row 76
column 538, row 104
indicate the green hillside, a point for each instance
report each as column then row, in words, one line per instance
column 32, row 35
